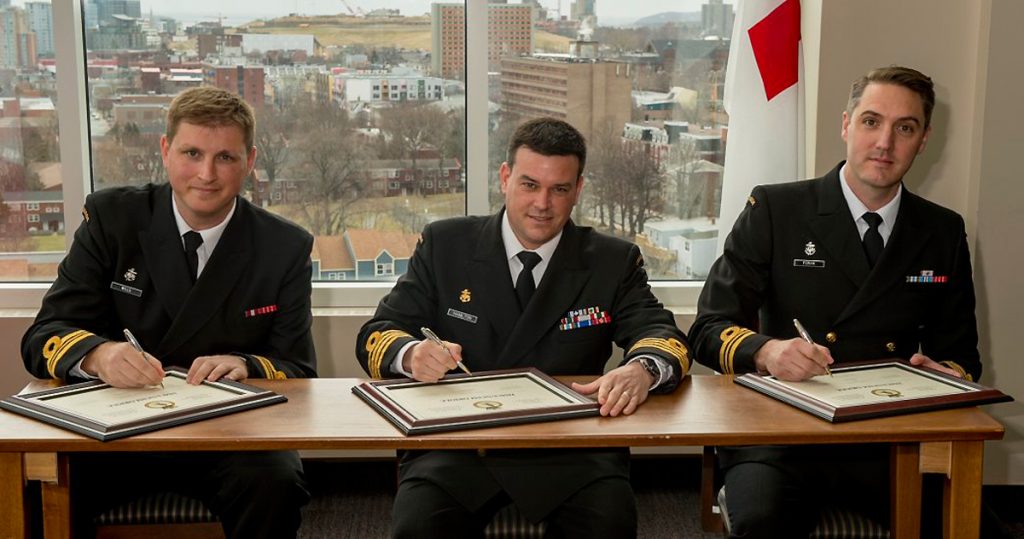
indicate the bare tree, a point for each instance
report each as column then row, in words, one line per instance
column 330, row 165
column 273, row 132
column 414, row 127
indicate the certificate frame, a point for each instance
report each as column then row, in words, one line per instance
column 47, row 406
column 562, row 402
column 943, row 391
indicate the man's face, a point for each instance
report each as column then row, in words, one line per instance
column 540, row 192
column 206, row 167
column 883, row 135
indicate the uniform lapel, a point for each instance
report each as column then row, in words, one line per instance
column 905, row 244
column 489, row 274
column 222, row 272
column 561, row 284
column 164, row 254
column 836, row 231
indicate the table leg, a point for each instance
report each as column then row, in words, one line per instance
column 12, row 496
column 962, row 493
column 905, row 491
column 57, row 502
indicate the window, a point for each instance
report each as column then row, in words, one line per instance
column 654, row 125
column 318, row 148
column 385, row 269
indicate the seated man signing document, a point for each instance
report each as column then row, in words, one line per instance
column 204, row 281
column 508, row 291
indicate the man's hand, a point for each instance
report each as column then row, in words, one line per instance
column 213, row 368
column 428, row 362
column 922, row 360
column 792, row 360
column 121, row 365
column 622, row 390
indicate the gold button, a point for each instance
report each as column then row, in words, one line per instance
column 890, row 346
column 831, row 337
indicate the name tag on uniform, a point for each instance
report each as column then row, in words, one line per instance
column 808, row 263
column 462, row 316
column 125, row 289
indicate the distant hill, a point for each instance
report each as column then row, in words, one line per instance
column 659, row 19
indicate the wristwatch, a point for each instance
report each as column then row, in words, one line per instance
column 651, row 367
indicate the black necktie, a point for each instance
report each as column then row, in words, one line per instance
column 192, row 242
column 524, row 284
column 872, row 239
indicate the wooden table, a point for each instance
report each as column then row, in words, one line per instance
column 706, row 410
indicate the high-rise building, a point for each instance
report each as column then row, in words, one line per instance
column 592, row 95
column 107, row 9
column 40, row 21
column 583, row 8
column 716, row 19
column 509, row 29
column 247, row 82
column 17, row 42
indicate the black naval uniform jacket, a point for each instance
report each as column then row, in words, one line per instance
column 795, row 252
column 458, row 284
column 127, row 269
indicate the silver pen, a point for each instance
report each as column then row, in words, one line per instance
column 807, row 337
column 433, row 337
column 135, row 344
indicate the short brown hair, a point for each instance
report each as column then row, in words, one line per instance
column 911, row 79
column 548, row 136
column 210, row 106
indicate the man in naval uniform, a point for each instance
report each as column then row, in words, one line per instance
column 870, row 269
column 206, row 282
column 525, row 287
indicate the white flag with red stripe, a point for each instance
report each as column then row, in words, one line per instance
column 764, row 99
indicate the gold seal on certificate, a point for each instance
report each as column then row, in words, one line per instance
column 872, row 389
column 103, row 412
column 481, row 400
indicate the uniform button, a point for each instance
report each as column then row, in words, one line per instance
column 831, row 337
column 890, row 346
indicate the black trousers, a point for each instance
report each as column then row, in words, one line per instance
column 254, row 494
column 603, row 509
column 779, row 491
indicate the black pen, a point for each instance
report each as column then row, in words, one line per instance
column 135, row 344
column 807, row 337
column 433, row 337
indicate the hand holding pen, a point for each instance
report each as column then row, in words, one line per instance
column 436, row 340
column 138, row 347
column 807, row 337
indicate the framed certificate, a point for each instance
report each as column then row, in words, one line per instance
column 100, row 411
column 872, row 389
column 462, row 401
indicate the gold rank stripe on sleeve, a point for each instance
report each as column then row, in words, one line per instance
column 269, row 370
column 731, row 339
column 670, row 346
column 377, row 345
column 953, row 365
column 56, row 347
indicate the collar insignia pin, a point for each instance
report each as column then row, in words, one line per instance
column 130, row 275
column 465, row 296
column 810, row 249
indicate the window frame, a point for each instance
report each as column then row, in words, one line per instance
column 76, row 162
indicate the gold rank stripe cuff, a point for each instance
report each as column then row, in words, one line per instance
column 56, row 347
column 959, row 369
column 268, row 369
column 377, row 345
column 672, row 347
column 731, row 339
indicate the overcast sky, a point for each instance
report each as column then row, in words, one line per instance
column 610, row 9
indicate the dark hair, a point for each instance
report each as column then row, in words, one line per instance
column 911, row 79
column 210, row 106
column 548, row 136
